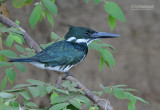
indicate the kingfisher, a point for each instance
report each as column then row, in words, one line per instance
column 63, row 55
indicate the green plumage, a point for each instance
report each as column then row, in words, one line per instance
column 62, row 53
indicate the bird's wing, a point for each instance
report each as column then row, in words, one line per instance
column 61, row 53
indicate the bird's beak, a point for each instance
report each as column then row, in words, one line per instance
column 104, row 35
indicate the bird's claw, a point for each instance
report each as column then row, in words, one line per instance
column 68, row 74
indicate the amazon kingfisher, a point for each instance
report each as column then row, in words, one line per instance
column 63, row 55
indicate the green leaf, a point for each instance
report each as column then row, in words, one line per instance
column 119, row 86
column 75, row 103
column 15, row 31
column 3, row 63
column 55, row 37
column 17, row 23
column 107, row 56
column 50, row 18
column 1, row 101
column 26, row 95
column 35, row 82
column 53, row 95
column 130, row 89
column 74, row 84
column 119, row 93
column 131, row 105
column 30, row 104
column 66, row 84
column 34, row 91
column 87, row 1
column 42, row 90
column 49, row 88
column 11, row 74
column 2, row 58
column 50, row 6
column 18, row 39
column 15, row 90
column 59, row 106
column 19, row 48
column 98, row 45
column 4, row 82
column 35, row 15
column 12, row 30
column 108, row 90
column 14, row 104
column 59, row 99
column 101, row 64
column 21, row 85
column 8, row 53
column 73, row 89
column 7, row 107
column 20, row 66
column 28, row 2
column 99, row 93
column 83, row 99
column 62, row 91
column 96, row 2
column 30, row 54
column 140, row 99
column 6, row 95
column 112, row 22
column 9, row 40
column 114, row 10
column 130, row 96
column 18, row 3
column 91, row 108
column 29, row 50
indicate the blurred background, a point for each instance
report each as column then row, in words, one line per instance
column 137, row 52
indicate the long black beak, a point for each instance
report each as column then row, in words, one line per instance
column 104, row 35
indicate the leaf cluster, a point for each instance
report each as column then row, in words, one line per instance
column 15, row 40
column 121, row 92
column 105, row 54
column 45, row 8
column 67, row 97
column 42, row 9
column 113, row 10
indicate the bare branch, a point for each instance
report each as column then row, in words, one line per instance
column 31, row 43
column 102, row 103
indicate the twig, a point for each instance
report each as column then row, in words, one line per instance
column 31, row 43
column 102, row 103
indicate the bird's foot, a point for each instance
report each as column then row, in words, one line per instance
column 68, row 74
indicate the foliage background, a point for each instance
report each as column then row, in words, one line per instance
column 137, row 50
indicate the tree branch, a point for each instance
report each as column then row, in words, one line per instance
column 31, row 43
column 59, row 80
column 102, row 103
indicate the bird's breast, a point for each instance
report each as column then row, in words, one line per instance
column 62, row 68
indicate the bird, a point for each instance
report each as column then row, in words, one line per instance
column 63, row 55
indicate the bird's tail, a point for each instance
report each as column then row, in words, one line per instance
column 21, row 60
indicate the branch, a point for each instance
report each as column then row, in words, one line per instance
column 31, row 43
column 59, row 80
column 102, row 103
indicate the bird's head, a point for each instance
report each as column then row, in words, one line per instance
column 86, row 35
